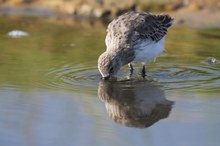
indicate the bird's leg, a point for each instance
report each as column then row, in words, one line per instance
column 131, row 69
column 143, row 73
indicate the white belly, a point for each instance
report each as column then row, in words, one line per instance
column 148, row 51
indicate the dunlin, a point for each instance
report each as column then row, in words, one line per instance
column 134, row 37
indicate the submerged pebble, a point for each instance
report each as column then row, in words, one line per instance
column 17, row 34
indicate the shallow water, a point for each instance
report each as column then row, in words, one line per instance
column 51, row 92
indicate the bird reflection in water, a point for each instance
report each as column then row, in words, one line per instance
column 134, row 103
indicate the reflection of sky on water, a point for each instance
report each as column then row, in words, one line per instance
column 58, row 118
column 43, row 119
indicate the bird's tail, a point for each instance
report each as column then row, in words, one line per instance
column 166, row 20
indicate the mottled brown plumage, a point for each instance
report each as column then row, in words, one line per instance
column 128, row 36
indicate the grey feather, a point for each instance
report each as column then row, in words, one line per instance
column 133, row 26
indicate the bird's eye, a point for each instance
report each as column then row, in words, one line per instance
column 111, row 69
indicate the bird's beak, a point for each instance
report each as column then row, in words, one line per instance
column 106, row 77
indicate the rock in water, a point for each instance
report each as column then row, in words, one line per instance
column 17, row 34
column 211, row 60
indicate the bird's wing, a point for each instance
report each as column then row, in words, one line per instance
column 133, row 26
column 152, row 27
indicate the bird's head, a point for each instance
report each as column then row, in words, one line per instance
column 108, row 65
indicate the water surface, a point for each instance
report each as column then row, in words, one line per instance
column 51, row 92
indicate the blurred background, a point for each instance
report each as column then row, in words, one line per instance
column 204, row 12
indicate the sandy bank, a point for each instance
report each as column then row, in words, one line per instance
column 193, row 13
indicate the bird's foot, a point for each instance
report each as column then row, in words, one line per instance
column 143, row 74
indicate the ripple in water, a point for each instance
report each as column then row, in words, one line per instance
column 189, row 77
column 203, row 77
column 74, row 77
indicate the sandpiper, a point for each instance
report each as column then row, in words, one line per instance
column 134, row 37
